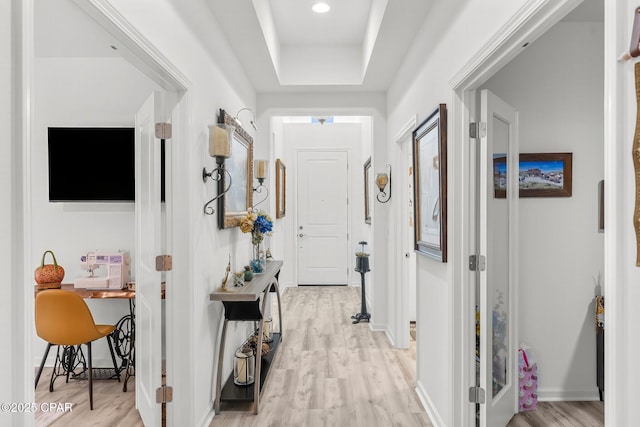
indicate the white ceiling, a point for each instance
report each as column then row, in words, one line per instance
column 284, row 46
column 281, row 44
column 296, row 23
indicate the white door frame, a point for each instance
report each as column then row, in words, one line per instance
column 529, row 23
column 399, row 322
column 166, row 74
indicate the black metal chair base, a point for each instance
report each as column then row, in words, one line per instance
column 361, row 317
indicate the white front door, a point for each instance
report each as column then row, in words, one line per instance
column 498, row 201
column 148, row 352
column 322, row 218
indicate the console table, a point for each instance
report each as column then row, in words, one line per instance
column 243, row 304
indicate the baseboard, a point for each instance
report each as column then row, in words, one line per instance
column 390, row 338
column 377, row 327
column 557, row 394
column 428, row 406
column 207, row 417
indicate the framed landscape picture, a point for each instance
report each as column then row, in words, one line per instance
column 539, row 175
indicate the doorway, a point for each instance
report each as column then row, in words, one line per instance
column 542, row 220
column 404, row 327
column 338, row 178
column 89, row 82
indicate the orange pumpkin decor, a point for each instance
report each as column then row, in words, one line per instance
column 49, row 276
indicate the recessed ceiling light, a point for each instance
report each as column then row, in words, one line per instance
column 321, row 8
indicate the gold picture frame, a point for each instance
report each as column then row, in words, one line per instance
column 234, row 204
column 281, row 189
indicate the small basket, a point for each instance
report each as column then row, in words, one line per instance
column 49, row 276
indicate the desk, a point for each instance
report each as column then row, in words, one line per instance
column 124, row 334
column 242, row 304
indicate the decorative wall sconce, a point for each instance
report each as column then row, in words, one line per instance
column 220, row 137
column 253, row 116
column 382, row 180
column 260, row 172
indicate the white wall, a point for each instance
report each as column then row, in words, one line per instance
column 78, row 92
column 560, row 250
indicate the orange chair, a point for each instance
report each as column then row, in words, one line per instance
column 64, row 319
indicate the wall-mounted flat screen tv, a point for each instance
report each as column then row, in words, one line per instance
column 93, row 164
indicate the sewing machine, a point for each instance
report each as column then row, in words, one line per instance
column 107, row 270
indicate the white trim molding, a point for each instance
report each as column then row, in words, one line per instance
column 432, row 411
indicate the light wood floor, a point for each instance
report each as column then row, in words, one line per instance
column 111, row 406
column 328, row 372
column 561, row 414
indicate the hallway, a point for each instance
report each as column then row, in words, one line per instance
column 330, row 372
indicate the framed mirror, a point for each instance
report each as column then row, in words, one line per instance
column 237, row 201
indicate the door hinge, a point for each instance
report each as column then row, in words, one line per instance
column 477, row 130
column 164, row 394
column 477, row 262
column 163, row 130
column 164, row 263
column 476, row 395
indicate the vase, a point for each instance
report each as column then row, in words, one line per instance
column 258, row 262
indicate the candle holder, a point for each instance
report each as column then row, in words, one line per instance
column 244, row 367
column 267, row 334
column 220, row 137
column 260, row 172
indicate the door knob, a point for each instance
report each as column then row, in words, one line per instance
column 407, row 255
column 300, row 235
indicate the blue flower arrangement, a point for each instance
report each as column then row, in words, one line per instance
column 258, row 224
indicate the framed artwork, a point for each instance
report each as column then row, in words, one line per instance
column 539, row 175
column 236, row 202
column 367, row 191
column 281, row 189
column 430, row 185
column 601, row 206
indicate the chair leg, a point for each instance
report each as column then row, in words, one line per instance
column 90, row 376
column 113, row 357
column 44, row 359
